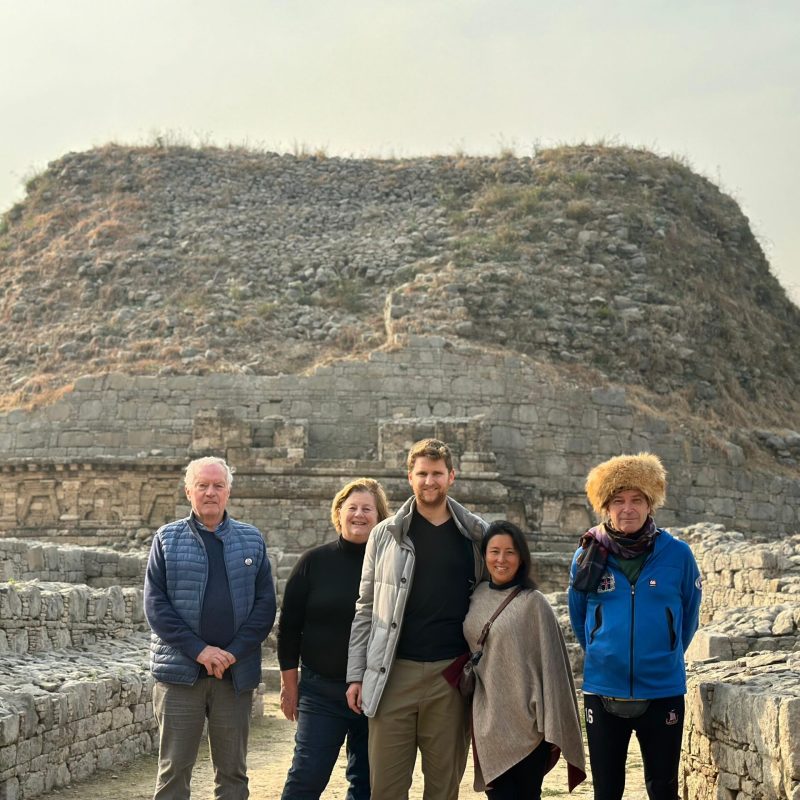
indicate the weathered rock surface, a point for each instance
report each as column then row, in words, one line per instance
column 742, row 733
column 104, row 462
column 75, row 684
column 611, row 260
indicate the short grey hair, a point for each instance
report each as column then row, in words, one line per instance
column 195, row 466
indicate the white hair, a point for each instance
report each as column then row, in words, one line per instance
column 195, row 466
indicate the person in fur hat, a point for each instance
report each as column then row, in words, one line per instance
column 634, row 604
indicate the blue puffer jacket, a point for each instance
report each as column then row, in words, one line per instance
column 174, row 589
column 635, row 635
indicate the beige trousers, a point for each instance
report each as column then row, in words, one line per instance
column 418, row 710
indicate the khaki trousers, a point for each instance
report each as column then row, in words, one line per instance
column 418, row 709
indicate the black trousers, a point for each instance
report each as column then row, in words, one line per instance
column 523, row 781
column 659, row 731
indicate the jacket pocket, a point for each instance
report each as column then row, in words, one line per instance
column 673, row 637
column 598, row 621
column 376, row 647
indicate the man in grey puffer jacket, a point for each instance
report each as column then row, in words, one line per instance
column 419, row 571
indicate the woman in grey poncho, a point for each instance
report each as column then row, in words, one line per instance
column 524, row 711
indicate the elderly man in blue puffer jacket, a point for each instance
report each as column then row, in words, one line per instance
column 210, row 602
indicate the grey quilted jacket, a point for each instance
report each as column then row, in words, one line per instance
column 386, row 578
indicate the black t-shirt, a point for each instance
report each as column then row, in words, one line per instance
column 444, row 576
column 319, row 603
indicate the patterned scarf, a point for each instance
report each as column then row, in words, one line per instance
column 601, row 540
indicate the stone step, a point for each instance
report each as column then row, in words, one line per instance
column 28, row 559
column 40, row 616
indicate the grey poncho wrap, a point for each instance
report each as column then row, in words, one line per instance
column 524, row 691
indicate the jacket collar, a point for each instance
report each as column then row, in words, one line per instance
column 470, row 525
column 219, row 531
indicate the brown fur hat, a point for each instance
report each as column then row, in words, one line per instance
column 644, row 472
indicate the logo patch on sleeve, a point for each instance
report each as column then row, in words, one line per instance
column 607, row 583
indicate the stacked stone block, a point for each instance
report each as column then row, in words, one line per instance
column 524, row 444
column 735, row 632
column 23, row 560
column 75, row 684
column 66, row 713
column 751, row 593
column 743, row 705
column 741, row 734
column 40, row 617
column 739, row 571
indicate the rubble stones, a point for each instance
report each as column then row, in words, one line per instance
column 242, row 262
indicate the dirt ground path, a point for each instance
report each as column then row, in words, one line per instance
column 271, row 746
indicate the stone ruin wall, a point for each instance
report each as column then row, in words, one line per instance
column 105, row 461
column 742, row 729
column 74, row 682
column 104, row 464
column 75, row 686
column 90, row 566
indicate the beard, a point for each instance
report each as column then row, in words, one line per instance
column 430, row 497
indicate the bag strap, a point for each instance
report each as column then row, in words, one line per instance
column 488, row 625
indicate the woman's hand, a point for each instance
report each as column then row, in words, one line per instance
column 289, row 694
column 354, row 696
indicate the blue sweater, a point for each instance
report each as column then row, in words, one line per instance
column 635, row 635
column 175, row 591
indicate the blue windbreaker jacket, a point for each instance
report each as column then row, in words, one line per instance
column 634, row 636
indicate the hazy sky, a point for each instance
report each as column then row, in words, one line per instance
column 716, row 82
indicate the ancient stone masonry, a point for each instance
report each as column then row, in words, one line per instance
column 74, row 683
column 742, row 731
column 308, row 319
column 742, row 734
column 739, row 572
column 75, row 686
column 25, row 560
column 86, row 498
column 523, row 440
column 40, row 617
column 68, row 713
column 601, row 259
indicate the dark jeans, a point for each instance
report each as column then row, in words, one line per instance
column 524, row 779
column 324, row 722
column 659, row 731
